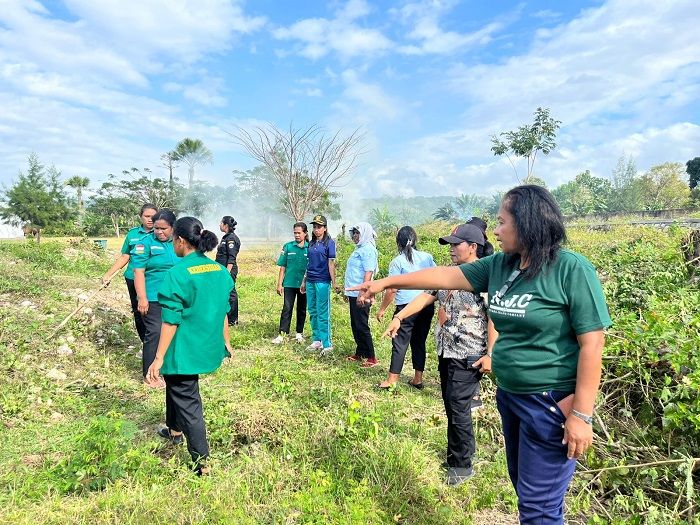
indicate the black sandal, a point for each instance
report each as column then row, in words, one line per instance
column 165, row 433
column 418, row 386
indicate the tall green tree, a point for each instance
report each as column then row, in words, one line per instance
column 37, row 199
column 692, row 168
column 140, row 186
column 192, row 152
column 527, row 141
column 664, row 187
column 170, row 161
column 79, row 184
column 584, row 195
column 627, row 194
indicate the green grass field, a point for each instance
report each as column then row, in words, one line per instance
column 295, row 438
column 299, row 439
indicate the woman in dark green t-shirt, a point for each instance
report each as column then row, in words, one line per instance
column 548, row 307
column 194, row 336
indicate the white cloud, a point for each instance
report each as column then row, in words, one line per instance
column 622, row 77
column 365, row 102
column 424, row 18
column 318, row 37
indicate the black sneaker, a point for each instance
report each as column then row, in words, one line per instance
column 165, row 433
column 458, row 475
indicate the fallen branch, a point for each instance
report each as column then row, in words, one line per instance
column 640, row 465
column 80, row 306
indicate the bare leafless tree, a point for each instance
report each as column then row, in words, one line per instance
column 306, row 163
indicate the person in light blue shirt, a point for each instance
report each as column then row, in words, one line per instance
column 414, row 328
column 361, row 267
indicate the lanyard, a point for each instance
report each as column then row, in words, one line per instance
column 506, row 285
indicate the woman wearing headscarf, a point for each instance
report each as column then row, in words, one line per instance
column 226, row 255
column 361, row 267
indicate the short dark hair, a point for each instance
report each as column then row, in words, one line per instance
column 538, row 223
column 191, row 229
column 407, row 241
column 303, row 227
column 164, row 215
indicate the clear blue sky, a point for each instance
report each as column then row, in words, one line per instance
column 97, row 86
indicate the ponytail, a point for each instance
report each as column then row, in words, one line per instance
column 407, row 241
column 193, row 232
column 487, row 248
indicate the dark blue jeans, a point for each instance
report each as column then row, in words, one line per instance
column 533, row 427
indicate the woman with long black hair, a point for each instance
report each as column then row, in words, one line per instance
column 414, row 328
column 194, row 336
column 226, row 255
column 548, row 307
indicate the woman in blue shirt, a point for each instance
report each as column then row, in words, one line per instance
column 317, row 283
column 414, row 328
column 361, row 267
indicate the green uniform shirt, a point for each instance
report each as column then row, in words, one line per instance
column 538, row 319
column 156, row 258
column 133, row 236
column 194, row 296
column 295, row 260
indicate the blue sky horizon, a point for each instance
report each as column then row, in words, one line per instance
column 96, row 87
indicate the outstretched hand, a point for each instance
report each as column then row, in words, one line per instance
column 367, row 290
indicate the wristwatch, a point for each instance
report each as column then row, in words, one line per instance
column 583, row 417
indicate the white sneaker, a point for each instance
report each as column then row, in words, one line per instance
column 316, row 345
column 326, row 351
column 278, row 340
column 299, row 338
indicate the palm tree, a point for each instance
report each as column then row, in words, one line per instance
column 193, row 152
column 445, row 213
column 382, row 220
column 78, row 184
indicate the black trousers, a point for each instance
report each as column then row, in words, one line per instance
column 459, row 382
column 138, row 319
column 414, row 331
column 290, row 294
column 183, row 413
column 152, row 321
column 233, row 301
column 359, row 322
